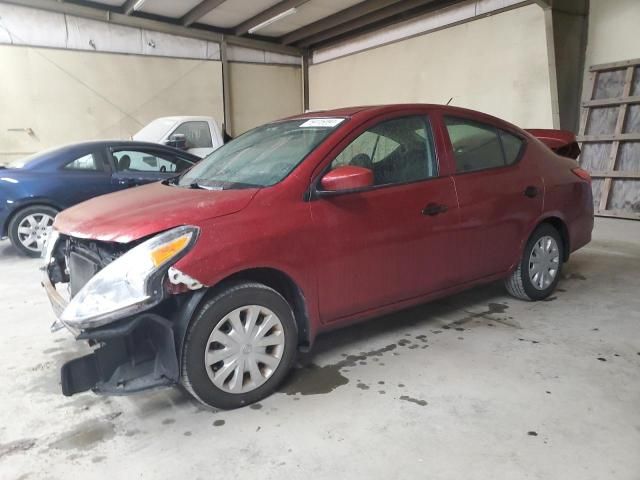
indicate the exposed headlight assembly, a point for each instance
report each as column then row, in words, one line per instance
column 129, row 284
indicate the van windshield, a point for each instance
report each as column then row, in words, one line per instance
column 261, row 157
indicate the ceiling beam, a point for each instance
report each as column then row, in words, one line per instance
column 127, row 8
column 374, row 17
column 269, row 13
column 134, row 21
column 343, row 16
column 199, row 11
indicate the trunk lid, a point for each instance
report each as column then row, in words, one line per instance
column 563, row 142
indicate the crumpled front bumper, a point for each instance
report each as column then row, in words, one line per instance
column 135, row 353
column 58, row 303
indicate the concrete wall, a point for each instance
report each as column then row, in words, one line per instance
column 613, row 31
column 65, row 96
column 497, row 64
column 260, row 93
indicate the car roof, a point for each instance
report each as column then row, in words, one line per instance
column 374, row 110
column 55, row 153
column 107, row 143
column 176, row 118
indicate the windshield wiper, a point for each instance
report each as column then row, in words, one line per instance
column 195, row 185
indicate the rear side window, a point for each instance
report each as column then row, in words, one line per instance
column 478, row 146
column 512, row 147
column 85, row 163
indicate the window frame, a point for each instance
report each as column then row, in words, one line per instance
column 316, row 193
column 486, row 126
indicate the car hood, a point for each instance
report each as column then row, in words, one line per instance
column 139, row 212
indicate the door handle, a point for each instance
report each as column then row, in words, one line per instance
column 531, row 191
column 433, row 209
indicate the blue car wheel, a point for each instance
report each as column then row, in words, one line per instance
column 29, row 229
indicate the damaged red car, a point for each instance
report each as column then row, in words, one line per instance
column 215, row 279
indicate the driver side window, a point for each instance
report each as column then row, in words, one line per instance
column 147, row 162
column 397, row 151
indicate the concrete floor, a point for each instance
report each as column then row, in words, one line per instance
column 476, row 386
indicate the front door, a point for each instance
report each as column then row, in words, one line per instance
column 390, row 242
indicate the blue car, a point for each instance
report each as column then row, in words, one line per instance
column 34, row 189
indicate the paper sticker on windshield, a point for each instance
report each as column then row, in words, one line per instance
column 322, row 122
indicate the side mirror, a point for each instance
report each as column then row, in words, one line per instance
column 177, row 140
column 348, row 177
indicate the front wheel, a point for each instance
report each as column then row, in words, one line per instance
column 538, row 272
column 29, row 229
column 239, row 346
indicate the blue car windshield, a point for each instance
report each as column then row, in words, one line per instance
column 261, row 157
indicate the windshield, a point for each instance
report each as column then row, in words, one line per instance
column 156, row 130
column 261, row 157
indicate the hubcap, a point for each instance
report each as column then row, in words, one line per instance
column 244, row 349
column 544, row 262
column 33, row 231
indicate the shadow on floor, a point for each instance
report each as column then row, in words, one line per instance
column 427, row 315
column 9, row 251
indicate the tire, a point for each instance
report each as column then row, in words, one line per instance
column 217, row 319
column 520, row 284
column 43, row 217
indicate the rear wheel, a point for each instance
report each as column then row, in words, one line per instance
column 538, row 272
column 239, row 346
column 29, row 229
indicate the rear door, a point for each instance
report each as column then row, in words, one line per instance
column 139, row 165
column 500, row 194
column 392, row 241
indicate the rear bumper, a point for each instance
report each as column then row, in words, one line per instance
column 134, row 354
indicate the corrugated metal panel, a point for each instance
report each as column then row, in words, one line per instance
column 26, row 26
column 420, row 25
column 250, row 55
column 213, row 51
column 85, row 34
column 163, row 44
column 242, row 54
column 272, row 57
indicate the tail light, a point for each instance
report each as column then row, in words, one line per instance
column 582, row 173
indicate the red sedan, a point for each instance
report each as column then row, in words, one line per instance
column 216, row 278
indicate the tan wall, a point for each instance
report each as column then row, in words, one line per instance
column 613, row 31
column 66, row 96
column 497, row 64
column 261, row 93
